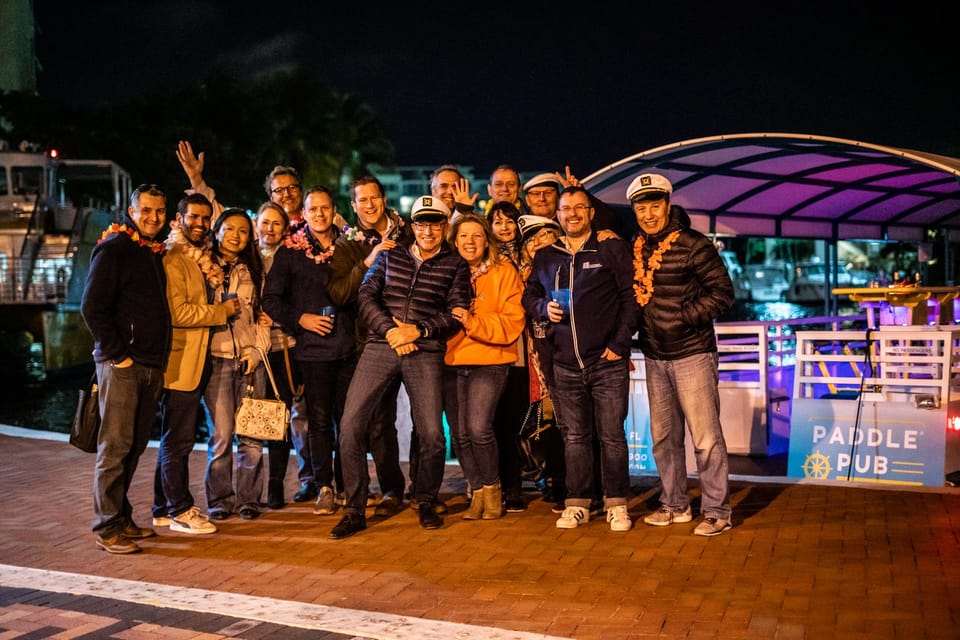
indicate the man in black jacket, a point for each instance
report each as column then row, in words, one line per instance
column 125, row 308
column 405, row 302
column 681, row 286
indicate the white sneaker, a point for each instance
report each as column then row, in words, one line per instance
column 665, row 516
column 712, row 527
column 573, row 517
column 326, row 502
column 619, row 519
column 192, row 521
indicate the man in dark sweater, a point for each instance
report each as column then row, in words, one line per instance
column 125, row 308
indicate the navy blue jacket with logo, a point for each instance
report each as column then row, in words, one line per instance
column 602, row 307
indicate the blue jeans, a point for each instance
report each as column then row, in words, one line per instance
column 128, row 405
column 325, row 387
column 594, row 398
column 687, row 389
column 422, row 375
column 180, row 413
column 222, row 397
column 471, row 394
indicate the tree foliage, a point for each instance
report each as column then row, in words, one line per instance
column 245, row 129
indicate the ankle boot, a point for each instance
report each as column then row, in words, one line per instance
column 492, row 502
column 475, row 510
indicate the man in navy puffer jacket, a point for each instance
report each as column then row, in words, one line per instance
column 405, row 302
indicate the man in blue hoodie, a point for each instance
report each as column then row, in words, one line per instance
column 584, row 289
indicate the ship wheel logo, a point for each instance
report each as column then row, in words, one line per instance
column 816, row 466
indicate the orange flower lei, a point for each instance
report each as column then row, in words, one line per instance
column 643, row 273
column 153, row 245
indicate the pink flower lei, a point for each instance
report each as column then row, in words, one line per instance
column 201, row 255
column 300, row 242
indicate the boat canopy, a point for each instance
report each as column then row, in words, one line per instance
column 798, row 185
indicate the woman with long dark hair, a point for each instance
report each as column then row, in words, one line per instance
column 236, row 350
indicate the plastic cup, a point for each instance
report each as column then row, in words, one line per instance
column 562, row 298
column 328, row 311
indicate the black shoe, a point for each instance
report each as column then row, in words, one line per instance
column 131, row 531
column 439, row 507
column 117, row 543
column 387, row 507
column 558, row 508
column 350, row 524
column 219, row 515
column 249, row 513
column 596, row 507
column 429, row 518
column 308, row 491
column 275, row 494
column 514, row 505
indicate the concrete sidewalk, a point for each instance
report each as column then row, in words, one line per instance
column 802, row 561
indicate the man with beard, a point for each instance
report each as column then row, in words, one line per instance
column 191, row 276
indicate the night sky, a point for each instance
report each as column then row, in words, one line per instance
column 536, row 86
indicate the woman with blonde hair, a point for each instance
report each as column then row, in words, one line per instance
column 478, row 359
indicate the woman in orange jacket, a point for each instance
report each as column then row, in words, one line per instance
column 478, row 359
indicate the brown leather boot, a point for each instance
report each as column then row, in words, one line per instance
column 475, row 510
column 492, row 502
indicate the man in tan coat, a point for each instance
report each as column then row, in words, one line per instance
column 191, row 273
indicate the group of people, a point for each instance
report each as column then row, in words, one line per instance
column 536, row 298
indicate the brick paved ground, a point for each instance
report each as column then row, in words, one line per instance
column 802, row 561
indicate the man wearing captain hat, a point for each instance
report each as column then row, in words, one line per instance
column 541, row 194
column 681, row 287
column 405, row 301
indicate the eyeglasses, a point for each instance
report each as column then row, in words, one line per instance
column 579, row 208
column 540, row 193
column 547, row 236
column 433, row 226
column 290, row 188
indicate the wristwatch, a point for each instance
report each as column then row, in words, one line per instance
column 423, row 329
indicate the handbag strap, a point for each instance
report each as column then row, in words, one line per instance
column 286, row 362
column 266, row 365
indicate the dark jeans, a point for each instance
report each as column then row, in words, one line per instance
column 180, row 413
column 378, row 370
column 383, row 445
column 325, row 388
column 588, row 401
column 279, row 450
column 128, row 406
column 511, row 410
column 471, row 394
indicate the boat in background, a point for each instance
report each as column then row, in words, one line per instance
column 52, row 212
